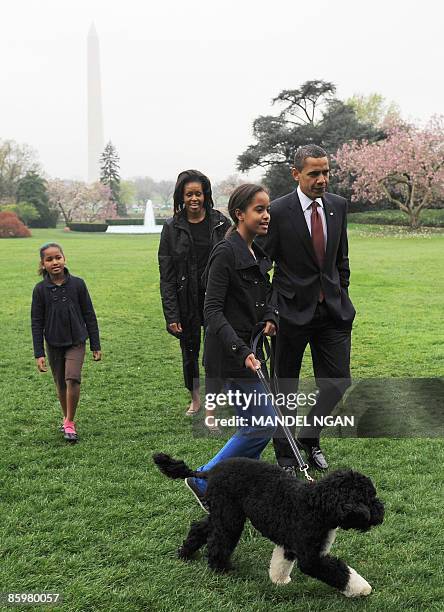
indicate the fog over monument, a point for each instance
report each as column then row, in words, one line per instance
column 95, row 113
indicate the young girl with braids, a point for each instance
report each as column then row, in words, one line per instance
column 62, row 313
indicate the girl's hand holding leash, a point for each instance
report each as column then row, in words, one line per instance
column 97, row 355
column 41, row 364
column 269, row 329
column 252, row 363
column 176, row 328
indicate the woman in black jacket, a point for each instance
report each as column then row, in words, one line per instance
column 237, row 301
column 185, row 244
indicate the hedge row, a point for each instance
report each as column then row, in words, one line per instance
column 133, row 221
column 102, row 227
column 125, row 221
column 88, row 227
column 428, row 218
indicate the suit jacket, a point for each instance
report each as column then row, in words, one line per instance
column 298, row 278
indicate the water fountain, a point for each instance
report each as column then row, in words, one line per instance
column 149, row 224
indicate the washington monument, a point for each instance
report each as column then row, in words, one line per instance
column 95, row 116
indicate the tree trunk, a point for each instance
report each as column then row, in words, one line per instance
column 65, row 216
column 414, row 218
column 414, row 211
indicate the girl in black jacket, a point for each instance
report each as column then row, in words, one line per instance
column 185, row 244
column 63, row 314
column 237, row 301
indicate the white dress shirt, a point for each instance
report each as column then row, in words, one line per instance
column 306, row 209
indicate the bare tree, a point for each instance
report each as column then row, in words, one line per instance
column 223, row 189
column 145, row 188
column 15, row 161
column 165, row 190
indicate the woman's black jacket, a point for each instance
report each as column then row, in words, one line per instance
column 238, row 296
column 179, row 282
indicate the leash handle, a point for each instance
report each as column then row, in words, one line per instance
column 258, row 338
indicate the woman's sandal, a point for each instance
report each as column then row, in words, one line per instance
column 192, row 410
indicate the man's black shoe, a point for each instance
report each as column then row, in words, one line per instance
column 189, row 482
column 314, row 455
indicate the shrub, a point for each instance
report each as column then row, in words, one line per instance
column 134, row 221
column 88, row 227
column 11, row 226
column 126, row 221
column 429, row 218
column 25, row 211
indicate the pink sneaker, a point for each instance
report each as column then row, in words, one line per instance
column 70, row 433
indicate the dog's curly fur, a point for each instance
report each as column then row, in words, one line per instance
column 299, row 517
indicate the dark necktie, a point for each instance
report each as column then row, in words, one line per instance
column 317, row 238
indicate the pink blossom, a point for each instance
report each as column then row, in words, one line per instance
column 406, row 168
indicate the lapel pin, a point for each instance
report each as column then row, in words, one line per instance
column 331, row 214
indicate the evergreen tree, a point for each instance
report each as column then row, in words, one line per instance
column 110, row 176
column 32, row 189
column 311, row 115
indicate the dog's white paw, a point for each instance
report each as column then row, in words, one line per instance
column 280, row 567
column 280, row 580
column 357, row 586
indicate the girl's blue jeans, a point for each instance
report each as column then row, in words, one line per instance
column 249, row 440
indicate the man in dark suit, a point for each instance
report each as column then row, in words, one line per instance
column 307, row 240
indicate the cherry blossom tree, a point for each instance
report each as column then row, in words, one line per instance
column 406, row 168
column 62, row 195
column 95, row 202
column 78, row 201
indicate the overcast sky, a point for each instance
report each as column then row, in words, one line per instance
column 182, row 81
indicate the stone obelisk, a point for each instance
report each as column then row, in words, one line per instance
column 95, row 116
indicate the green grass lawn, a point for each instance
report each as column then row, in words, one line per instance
column 99, row 524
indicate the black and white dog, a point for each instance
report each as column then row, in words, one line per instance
column 301, row 518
